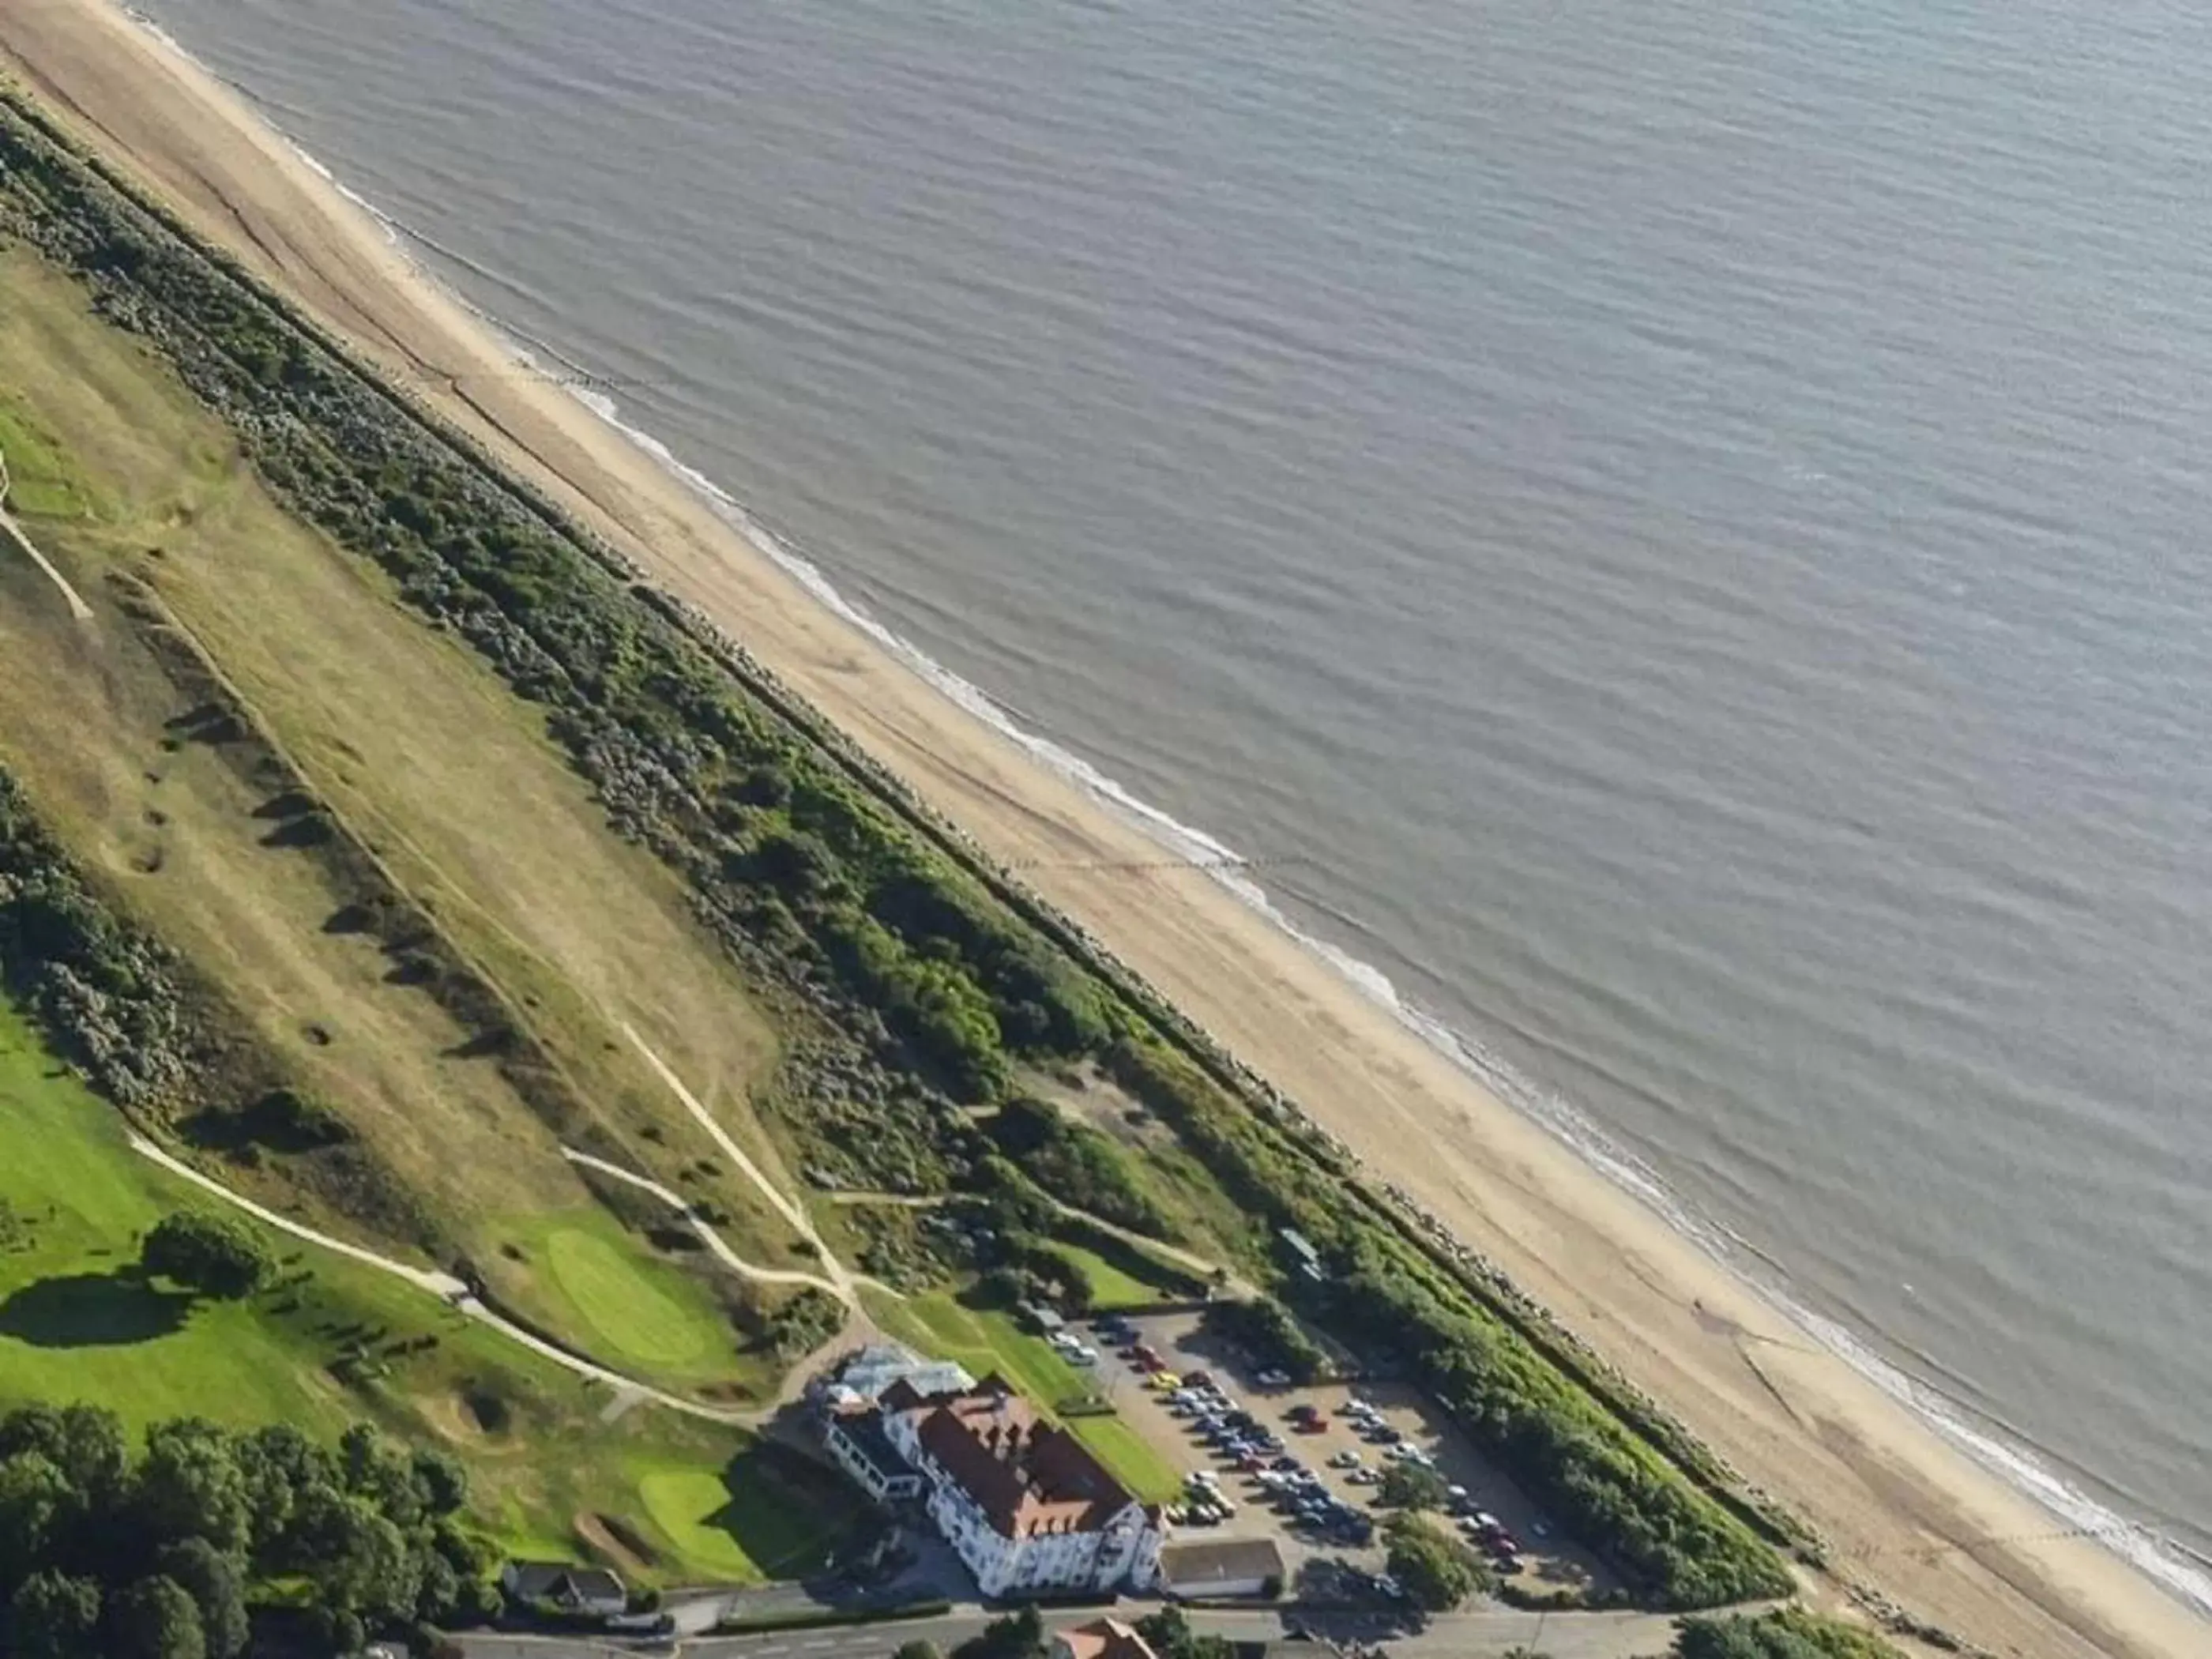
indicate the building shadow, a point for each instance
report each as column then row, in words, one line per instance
column 92, row 1311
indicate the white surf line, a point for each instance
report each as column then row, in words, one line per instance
column 712, row 1240
column 800, row 1221
column 447, row 1288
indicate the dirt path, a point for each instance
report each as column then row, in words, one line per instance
column 842, row 1281
column 12, row 532
column 447, row 1289
column 1189, row 1260
column 712, row 1240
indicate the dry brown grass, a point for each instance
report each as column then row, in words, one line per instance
column 417, row 751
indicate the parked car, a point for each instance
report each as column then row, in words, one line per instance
column 1273, row 1379
column 1363, row 1477
column 1344, row 1460
column 1311, row 1426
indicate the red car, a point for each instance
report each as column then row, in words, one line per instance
column 1311, row 1426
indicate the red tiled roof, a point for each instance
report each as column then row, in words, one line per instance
column 1105, row 1638
column 1028, row 1476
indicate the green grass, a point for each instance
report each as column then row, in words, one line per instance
column 760, row 1518
column 418, row 748
column 984, row 1340
column 42, row 484
column 638, row 1314
column 1129, row 1456
column 333, row 1343
column 1112, row 1284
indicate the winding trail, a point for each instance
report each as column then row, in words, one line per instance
column 450, row 1291
column 843, row 1282
column 11, row 530
column 712, row 1240
column 1231, row 1282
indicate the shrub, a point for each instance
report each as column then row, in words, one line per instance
column 1437, row 1572
column 211, row 1254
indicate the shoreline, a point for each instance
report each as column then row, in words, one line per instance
column 1735, row 1368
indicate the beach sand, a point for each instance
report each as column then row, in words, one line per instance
column 1903, row 1509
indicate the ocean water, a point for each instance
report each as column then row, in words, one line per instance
column 1675, row 532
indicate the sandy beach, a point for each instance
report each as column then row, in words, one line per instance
column 1903, row 1510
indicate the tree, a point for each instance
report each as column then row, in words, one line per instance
column 32, row 1492
column 52, row 1616
column 216, row 1584
column 443, row 1482
column 211, row 1254
column 1020, row 1635
column 155, row 1618
column 1435, row 1571
column 1411, row 1485
column 1169, row 1634
column 917, row 1649
column 190, row 1485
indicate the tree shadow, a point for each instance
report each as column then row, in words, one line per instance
column 92, row 1311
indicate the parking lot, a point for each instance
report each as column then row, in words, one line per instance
column 1304, row 1464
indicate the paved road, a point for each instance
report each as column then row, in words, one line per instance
column 1479, row 1635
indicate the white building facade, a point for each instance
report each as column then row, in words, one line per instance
column 1023, row 1503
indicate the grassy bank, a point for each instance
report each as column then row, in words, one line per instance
column 314, row 800
column 333, row 1343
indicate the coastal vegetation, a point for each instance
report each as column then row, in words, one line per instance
column 907, row 989
column 1784, row 1633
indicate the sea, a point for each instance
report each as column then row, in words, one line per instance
column 1673, row 535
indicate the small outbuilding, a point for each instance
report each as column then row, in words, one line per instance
column 1103, row 1639
column 572, row 1590
column 1226, row 1568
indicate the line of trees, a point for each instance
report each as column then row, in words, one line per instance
column 157, row 1551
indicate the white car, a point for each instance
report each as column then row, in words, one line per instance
column 1082, row 1354
column 1273, row 1379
